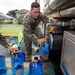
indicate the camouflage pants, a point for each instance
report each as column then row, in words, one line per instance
column 26, row 44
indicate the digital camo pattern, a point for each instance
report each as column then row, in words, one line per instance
column 32, row 31
column 3, row 41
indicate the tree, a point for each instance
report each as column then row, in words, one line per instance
column 20, row 18
column 12, row 13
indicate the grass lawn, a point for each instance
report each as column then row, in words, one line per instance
column 10, row 32
column 13, row 24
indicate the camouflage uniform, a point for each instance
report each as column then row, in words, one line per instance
column 3, row 41
column 3, row 46
column 31, row 27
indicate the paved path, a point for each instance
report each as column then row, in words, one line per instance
column 12, row 27
column 15, row 27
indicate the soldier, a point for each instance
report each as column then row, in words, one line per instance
column 5, row 48
column 30, row 23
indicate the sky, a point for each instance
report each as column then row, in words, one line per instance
column 7, row 5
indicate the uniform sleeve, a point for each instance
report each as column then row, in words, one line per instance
column 3, row 41
column 27, row 31
column 44, row 18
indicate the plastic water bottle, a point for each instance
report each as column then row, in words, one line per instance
column 35, row 67
column 18, row 58
column 44, row 49
column 2, row 65
column 21, row 54
column 17, row 62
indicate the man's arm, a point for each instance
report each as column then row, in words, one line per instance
column 28, row 36
column 5, row 44
column 27, row 31
column 3, row 41
column 44, row 18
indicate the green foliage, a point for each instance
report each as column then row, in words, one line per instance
column 20, row 18
column 12, row 13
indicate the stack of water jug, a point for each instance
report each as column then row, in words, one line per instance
column 17, row 60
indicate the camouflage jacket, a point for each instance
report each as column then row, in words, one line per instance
column 3, row 41
column 30, row 24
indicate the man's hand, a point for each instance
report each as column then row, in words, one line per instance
column 12, row 48
column 41, row 41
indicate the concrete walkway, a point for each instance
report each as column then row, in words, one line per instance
column 12, row 27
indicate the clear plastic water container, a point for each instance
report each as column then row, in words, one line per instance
column 17, row 61
column 45, row 48
column 35, row 67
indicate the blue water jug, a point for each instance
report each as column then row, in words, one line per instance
column 22, row 56
column 2, row 65
column 44, row 49
column 17, row 61
column 35, row 67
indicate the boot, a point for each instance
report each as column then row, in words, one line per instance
column 44, row 58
